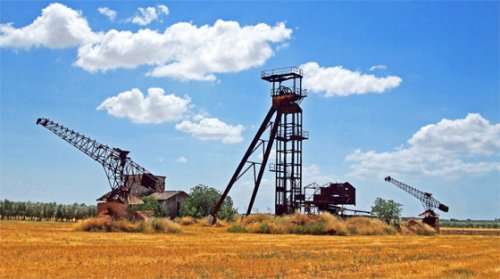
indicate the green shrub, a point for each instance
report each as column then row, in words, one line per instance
column 264, row 228
column 237, row 229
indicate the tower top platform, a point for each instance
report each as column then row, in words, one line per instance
column 281, row 74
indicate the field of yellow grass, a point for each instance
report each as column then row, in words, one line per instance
column 56, row 250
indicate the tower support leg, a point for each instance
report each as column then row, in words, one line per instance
column 264, row 160
column 248, row 153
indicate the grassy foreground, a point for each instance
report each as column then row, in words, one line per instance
column 56, row 250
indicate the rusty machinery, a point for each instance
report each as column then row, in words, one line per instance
column 286, row 130
column 428, row 202
column 330, row 197
column 123, row 174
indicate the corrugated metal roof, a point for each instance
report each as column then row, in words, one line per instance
column 166, row 195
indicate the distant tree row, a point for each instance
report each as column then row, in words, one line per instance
column 486, row 224
column 38, row 211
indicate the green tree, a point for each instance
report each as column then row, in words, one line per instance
column 388, row 211
column 152, row 204
column 202, row 200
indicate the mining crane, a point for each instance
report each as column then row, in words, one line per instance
column 429, row 203
column 121, row 171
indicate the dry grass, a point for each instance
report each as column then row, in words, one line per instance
column 56, row 250
column 324, row 224
column 186, row 221
column 154, row 225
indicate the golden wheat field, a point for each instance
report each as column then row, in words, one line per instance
column 56, row 250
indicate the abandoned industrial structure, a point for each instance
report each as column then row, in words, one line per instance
column 128, row 180
column 281, row 127
column 429, row 203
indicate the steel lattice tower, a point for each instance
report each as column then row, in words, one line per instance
column 287, row 94
column 286, row 129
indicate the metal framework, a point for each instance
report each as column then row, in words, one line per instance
column 428, row 202
column 286, row 130
column 120, row 170
column 329, row 196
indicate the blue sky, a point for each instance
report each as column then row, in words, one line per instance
column 408, row 89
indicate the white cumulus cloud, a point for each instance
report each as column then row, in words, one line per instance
column 57, row 27
column 182, row 51
column 448, row 148
column 107, row 12
column 156, row 107
column 185, row 51
column 212, row 129
column 337, row 81
column 145, row 16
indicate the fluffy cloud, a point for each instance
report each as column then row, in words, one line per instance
column 123, row 49
column 337, row 81
column 110, row 14
column 182, row 51
column 212, row 129
column 57, row 27
column 448, row 148
column 156, row 107
column 185, row 51
column 145, row 16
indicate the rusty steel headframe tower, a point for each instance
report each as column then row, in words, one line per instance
column 286, row 130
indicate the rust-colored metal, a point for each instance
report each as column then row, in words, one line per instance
column 286, row 131
column 430, row 218
column 329, row 197
column 336, row 193
column 117, row 210
column 428, row 202
column 127, row 179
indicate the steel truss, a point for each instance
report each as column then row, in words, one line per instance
column 120, row 170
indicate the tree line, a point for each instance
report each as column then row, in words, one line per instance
column 38, row 211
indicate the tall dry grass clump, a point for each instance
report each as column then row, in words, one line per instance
column 333, row 224
column 154, row 225
column 207, row 222
column 164, row 225
column 368, row 226
column 256, row 218
column 322, row 224
column 297, row 223
column 186, row 221
column 414, row 227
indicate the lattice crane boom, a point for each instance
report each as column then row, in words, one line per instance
column 425, row 198
column 120, row 170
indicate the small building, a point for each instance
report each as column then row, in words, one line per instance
column 137, row 191
column 172, row 200
column 336, row 194
column 330, row 197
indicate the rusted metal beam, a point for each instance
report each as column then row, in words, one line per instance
column 248, row 153
column 264, row 160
